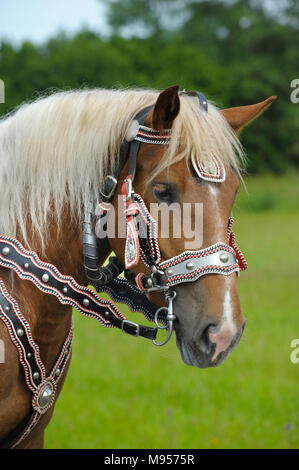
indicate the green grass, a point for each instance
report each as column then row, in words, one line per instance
column 270, row 192
column 123, row 392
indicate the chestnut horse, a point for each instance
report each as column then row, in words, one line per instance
column 54, row 154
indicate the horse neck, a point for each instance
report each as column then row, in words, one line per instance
column 49, row 320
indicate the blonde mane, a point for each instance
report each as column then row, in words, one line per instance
column 58, row 149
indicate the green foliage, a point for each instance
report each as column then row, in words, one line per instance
column 256, row 46
column 236, row 52
column 88, row 60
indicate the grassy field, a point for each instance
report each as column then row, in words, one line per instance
column 123, row 392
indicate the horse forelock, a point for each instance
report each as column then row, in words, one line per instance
column 204, row 135
column 58, row 149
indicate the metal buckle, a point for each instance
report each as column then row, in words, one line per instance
column 201, row 98
column 113, row 182
column 170, row 317
column 128, row 181
column 132, row 324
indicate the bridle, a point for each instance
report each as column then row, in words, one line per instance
column 141, row 242
column 142, row 236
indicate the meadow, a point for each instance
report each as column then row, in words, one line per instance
column 123, row 392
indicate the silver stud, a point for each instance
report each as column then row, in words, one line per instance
column 36, row 375
column 26, row 265
column 190, row 266
column 169, row 272
column 57, row 372
column 7, row 308
column 64, row 290
column 223, row 257
column 149, row 282
column 154, row 269
column 85, row 302
column 5, row 250
column 20, row 331
column 45, row 395
column 29, row 355
column 45, row 277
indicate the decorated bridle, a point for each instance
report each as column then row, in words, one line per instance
column 142, row 236
column 141, row 243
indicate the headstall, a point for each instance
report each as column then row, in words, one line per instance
column 141, row 242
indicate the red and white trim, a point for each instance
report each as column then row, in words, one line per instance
column 150, row 136
column 232, row 242
column 43, row 388
column 215, row 173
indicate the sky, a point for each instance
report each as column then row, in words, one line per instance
column 37, row 20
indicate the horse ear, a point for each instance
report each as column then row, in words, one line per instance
column 241, row 116
column 166, row 108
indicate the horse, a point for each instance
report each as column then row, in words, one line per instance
column 65, row 151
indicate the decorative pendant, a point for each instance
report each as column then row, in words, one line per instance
column 132, row 244
column 43, row 397
column 212, row 170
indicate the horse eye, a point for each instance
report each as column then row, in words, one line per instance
column 164, row 192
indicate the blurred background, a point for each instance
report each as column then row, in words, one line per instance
column 122, row 392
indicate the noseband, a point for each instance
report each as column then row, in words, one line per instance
column 141, row 242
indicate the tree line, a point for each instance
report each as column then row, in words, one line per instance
column 235, row 52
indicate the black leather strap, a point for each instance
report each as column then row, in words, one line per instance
column 135, row 144
column 125, row 291
column 49, row 280
column 20, row 334
column 35, row 375
column 96, row 275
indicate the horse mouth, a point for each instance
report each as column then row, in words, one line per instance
column 190, row 357
column 199, row 350
column 194, row 357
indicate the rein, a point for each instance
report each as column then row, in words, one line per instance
column 141, row 242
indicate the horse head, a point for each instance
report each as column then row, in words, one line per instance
column 197, row 178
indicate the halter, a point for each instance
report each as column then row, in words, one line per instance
column 141, row 242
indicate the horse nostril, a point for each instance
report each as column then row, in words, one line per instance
column 205, row 344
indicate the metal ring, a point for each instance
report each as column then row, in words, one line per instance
column 170, row 295
column 164, row 327
column 166, row 340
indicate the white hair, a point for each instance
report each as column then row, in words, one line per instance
column 57, row 150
